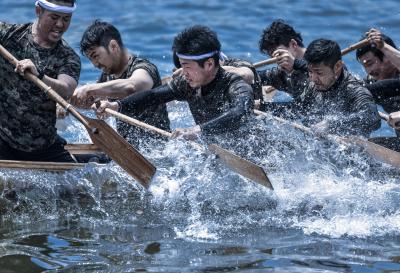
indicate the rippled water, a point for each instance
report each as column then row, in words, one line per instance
column 334, row 209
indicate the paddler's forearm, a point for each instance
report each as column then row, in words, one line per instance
column 233, row 118
column 118, row 89
column 143, row 99
column 64, row 85
column 392, row 54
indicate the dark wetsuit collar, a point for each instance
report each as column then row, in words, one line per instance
column 208, row 88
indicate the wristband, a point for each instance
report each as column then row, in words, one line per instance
column 41, row 74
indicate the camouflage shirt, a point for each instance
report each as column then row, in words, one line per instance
column 27, row 114
column 154, row 115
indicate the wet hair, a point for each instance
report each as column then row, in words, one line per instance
column 323, row 51
column 278, row 33
column 196, row 40
column 99, row 34
column 370, row 48
column 61, row 2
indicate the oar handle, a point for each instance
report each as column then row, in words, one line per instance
column 383, row 116
column 386, row 118
column 138, row 123
column 47, row 89
column 358, row 45
column 265, row 62
column 303, row 128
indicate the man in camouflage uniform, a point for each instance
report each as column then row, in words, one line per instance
column 123, row 74
column 218, row 100
column 27, row 114
column 336, row 102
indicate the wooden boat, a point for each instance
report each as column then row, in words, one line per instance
column 75, row 150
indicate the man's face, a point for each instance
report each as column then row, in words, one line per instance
column 287, row 48
column 101, row 59
column 323, row 76
column 52, row 25
column 195, row 75
column 378, row 69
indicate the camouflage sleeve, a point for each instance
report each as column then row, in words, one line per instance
column 71, row 65
column 151, row 69
column 241, row 107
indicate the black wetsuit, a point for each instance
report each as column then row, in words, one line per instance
column 221, row 105
column 347, row 106
column 386, row 93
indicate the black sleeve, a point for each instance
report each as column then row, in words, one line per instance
column 141, row 100
column 301, row 65
column 364, row 116
column 242, row 105
column 275, row 77
column 384, row 89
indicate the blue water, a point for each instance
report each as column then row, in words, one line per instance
column 331, row 211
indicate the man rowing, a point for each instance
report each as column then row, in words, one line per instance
column 281, row 41
column 28, row 115
column 123, row 74
column 218, row 100
column 336, row 102
column 381, row 61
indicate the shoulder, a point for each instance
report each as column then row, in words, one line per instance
column 145, row 64
column 8, row 30
column 68, row 51
column 232, row 80
column 236, row 62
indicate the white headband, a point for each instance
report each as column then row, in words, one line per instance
column 197, row 57
column 56, row 8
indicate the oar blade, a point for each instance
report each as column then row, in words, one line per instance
column 241, row 166
column 379, row 152
column 116, row 147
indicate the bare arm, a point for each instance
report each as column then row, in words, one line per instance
column 64, row 85
column 118, row 89
column 375, row 37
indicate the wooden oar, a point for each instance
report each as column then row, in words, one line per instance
column 379, row 152
column 355, row 46
column 234, row 162
column 386, row 118
column 383, row 116
column 115, row 146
